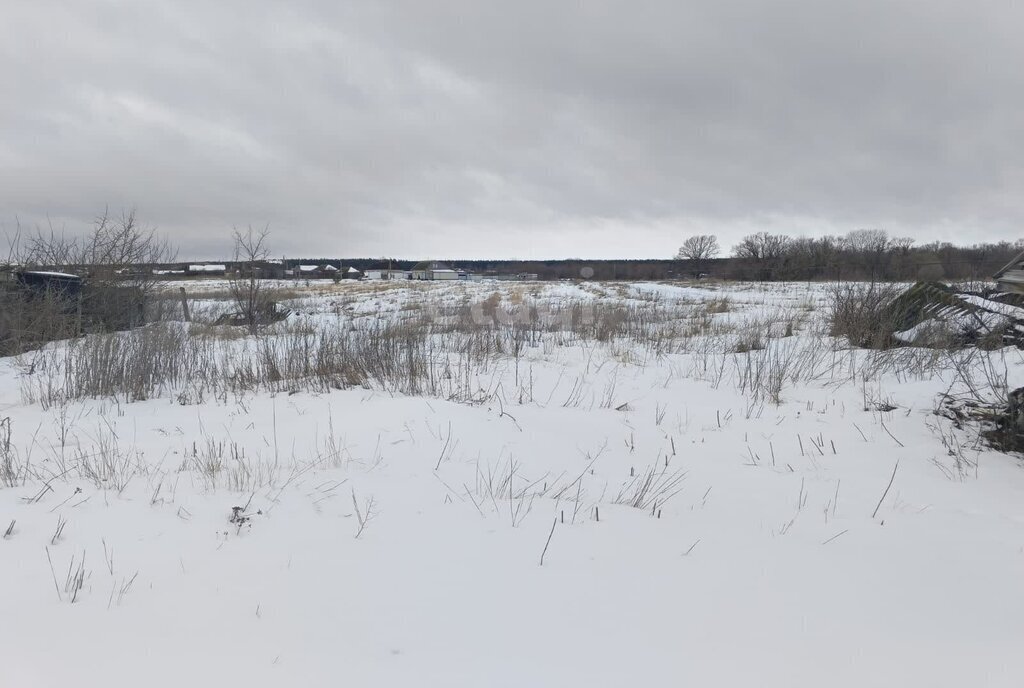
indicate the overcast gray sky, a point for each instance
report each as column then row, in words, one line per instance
column 534, row 128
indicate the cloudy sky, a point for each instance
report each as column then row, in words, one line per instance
column 534, row 128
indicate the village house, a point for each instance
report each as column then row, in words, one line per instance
column 433, row 270
column 387, row 275
column 325, row 271
column 207, row 269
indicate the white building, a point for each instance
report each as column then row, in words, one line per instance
column 387, row 274
column 208, row 270
column 433, row 270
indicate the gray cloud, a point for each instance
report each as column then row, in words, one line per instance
column 531, row 129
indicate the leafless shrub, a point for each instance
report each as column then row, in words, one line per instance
column 905, row 363
column 859, row 312
column 981, row 376
column 115, row 250
column 116, row 257
column 762, row 374
column 252, row 298
column 751, row 337
column 165, row 357
column 439, row 348
column 133, row 365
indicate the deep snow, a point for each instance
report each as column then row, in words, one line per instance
column 767, row 567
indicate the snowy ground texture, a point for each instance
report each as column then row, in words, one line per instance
column 722, row 494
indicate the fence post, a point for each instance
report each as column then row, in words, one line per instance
column 184, row 304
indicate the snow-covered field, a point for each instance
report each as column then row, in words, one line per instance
column 538, row 485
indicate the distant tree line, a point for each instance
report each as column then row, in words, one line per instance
column 120, row 252
column 862, row 254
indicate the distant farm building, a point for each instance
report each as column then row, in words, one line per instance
column 387, row 274
column 267, row 269
column 207, row 269
column 56, row 284
column 433, row 270
column 517, row 277
column 95, row 304
column 325, row 271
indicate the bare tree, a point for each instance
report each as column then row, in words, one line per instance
column 766, row 250
column 868, row 247
column 115, row 248
column 699, row 249
column 762, row 246
column 116, row 255
column 252, row 299
column 864, row 241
